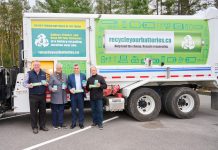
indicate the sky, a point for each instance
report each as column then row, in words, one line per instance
column 32, row 2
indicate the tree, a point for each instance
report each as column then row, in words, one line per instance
column 168, row 9
column 105, row 6
column 126, row 6
column 11, row 29
column 48, row 6
column 156, row 6
column 179, row 7
column 122, row 7
column 208, row 3
column 139, row 7
column 216, row 3
column 63, row 6
column 188, row 7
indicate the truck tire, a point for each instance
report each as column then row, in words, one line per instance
column 144, row 104
column 1, row 111
column 127, row 109
column 182, row 102
column 1, row 115
column 164, row 98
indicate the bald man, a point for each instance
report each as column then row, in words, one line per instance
column 96, row 96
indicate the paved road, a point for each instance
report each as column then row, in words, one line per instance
column 124, row 133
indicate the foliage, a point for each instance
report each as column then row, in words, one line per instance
column 63, row 6
column 122, row 6
column 11, row 30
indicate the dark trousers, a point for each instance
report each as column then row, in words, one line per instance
column 77, row 101
column 37, row 102
column 97, row 111
column 57, row 114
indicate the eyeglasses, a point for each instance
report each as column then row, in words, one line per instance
column 76, row 68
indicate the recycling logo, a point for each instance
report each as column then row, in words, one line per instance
column 41, row 41
column 188, row 42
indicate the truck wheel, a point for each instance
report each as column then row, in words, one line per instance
column 182, row 102
column 1, row 115
column 128, row 112
column 127, row 109
column 164, row 98
column 144, row 104
column 1, row 111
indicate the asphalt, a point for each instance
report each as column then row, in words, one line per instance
column 122, row 133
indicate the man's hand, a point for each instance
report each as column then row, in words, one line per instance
column 30, row 85
column 46, row 84
column 98, row 84
column 53, row 90
column 72, row 91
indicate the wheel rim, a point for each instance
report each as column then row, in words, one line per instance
column 145, row 105
column 185, row 103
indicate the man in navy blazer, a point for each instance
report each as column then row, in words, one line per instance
column 77, row 93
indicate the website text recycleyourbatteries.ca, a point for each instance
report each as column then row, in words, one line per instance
column 139, row 40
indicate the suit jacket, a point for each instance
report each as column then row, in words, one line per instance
column 72, row 83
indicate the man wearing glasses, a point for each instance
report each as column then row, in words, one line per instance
column 77, row 93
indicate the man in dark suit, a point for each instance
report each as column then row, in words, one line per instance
column 77, row 93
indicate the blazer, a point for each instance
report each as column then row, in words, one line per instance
column 59, row 96
column 72, row 82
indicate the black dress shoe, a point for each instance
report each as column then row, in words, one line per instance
column 64, row 126
column 35, row 131
column 72, row 126
column 43, row 128
column 100, row 127
column 94, row 124
column 81, row 126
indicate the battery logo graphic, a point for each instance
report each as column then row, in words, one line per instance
column 188, row 42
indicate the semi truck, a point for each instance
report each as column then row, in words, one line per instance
column 149, row 62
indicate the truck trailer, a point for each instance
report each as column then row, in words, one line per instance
column 148, row 61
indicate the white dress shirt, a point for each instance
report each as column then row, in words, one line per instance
column 78, row 82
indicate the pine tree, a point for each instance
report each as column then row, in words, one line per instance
column 139, row 7
column 11, row 13
column 63, row 6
